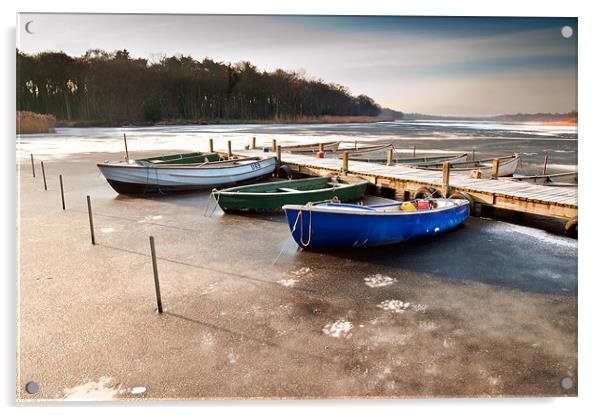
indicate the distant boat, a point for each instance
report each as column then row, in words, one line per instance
column 458, row 158
column 337, row 225
column 359, row 151
column 380, row 158
column 169, row 173
column 272, row 196
column 311, row 148
column 557, row 179
column 506, row 167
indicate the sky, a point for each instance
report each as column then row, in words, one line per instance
column 429, row 65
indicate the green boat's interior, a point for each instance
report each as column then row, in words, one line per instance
column 291, row 186
column 184, row 158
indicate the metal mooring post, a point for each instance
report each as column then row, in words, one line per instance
column 33, row 168
column 62, row 192
column 156, row 275
column 44, row 175
column 91, row 221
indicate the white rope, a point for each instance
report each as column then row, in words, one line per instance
column 213, row 192
column 300, row 216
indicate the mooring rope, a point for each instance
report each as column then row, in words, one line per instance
column 157, row 180
column 309, row 230
column 213, row 192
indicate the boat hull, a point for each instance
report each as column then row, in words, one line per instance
column 506, row 167
column 141, row 180
column 311, row 148
column 382, row 158
column 558, row 179
column 259, row 198
column 315, row 228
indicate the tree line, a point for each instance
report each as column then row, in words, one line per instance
column 109, row 88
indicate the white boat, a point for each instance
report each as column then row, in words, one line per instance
column 556, row 179
column 398, row 158
column 142, row 177
column 312, row 148
column 506, row 167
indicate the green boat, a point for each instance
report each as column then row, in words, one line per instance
column 272, row 196
column 184, row 158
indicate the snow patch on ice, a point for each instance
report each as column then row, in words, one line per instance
column 93, row 391
column 289, row 282
column 301, row 271
column 379, row 280
column 397, row 306
column 339, row 328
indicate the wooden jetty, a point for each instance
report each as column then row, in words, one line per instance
column 407, row 182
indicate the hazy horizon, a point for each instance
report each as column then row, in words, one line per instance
column 454, row 66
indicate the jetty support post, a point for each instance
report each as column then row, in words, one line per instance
column 253, row 143
column 91, row 221
column 125, row 142
column 229, row 149
column 390, row 157
column 62, row 192
column 321, row 147
column 274, row 145
column 345, row 167
column 44, row 175
column 445, row 179
column 156, row 274
column 545, row 164
column 211, row 145
column 278, row 157
column 33, row 167
column 495, row 167
column 414, row 152
column 473, row 154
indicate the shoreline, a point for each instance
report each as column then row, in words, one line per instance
column 328, row 119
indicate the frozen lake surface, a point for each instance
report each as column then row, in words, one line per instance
column 489, row 139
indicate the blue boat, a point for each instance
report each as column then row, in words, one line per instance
column 340, row 225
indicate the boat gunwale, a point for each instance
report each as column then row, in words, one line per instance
column 543, row 176
column 301, row 146
column 230, row 192
column 503, row 161
column 360, row 150
column 168, row 157
column 197, row 166
column 190, row 176
column 320, row 209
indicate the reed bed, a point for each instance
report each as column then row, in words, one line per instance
column 32, row 123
